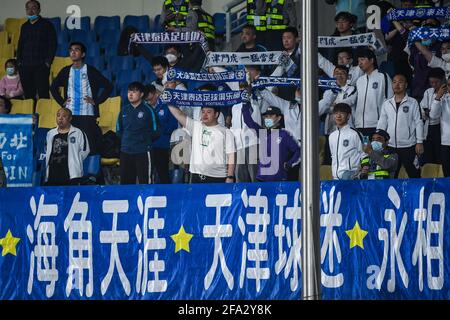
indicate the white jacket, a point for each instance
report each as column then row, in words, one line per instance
column 373, row 90
column 427, row 101
column 244, row 137
column 348, row 95
column 404, row 125
column 346, row 151
column 290, row 111
column 441, row 109
column 354, row 72
column 78, row 150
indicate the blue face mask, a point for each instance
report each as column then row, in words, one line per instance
column 268, row 123
column 32, row 18
column 376, row 145
column 10, row 71
column 426, row 42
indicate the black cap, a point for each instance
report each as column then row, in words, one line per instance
column 346, row 16
column 273, row 110
column 382, row 133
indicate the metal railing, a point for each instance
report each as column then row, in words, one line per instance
column 235, row 17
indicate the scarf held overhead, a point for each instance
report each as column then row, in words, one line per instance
column 181, row 98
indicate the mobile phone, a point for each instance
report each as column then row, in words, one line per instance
column 366, row 139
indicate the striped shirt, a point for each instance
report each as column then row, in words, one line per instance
column 79, row 87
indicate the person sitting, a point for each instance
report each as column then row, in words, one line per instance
column 379, row 162
column 67, row 147
column 279, row 150
column 10, row 85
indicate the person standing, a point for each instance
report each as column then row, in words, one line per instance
column 199, row 20
column 280, row 14
column 174, row 13
column 82, row 84
column 35, row 52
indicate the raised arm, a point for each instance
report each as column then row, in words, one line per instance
column 178, row 114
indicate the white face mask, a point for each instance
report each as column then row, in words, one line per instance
column 171, row 58
column 446, row 57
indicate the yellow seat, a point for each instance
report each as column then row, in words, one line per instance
column 110, row 162
column 22, row 106
column 13, row 26
column 57, row 65
column 6, row 51
column 47, row 108
column 402, row 174
column 430, row 170
column 441, row 172
column 109, row 111
column 325, row 173
column 4, row 38
column 2, row 67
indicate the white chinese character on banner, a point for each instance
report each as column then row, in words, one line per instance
column 218, row 231
column 80, row 241
column 18, row 141
column 154, row 243
column 423, row 245
column 293, row 239
column 114, row 237
column 257, row 237
column 3, row 140
column 330, row 242
column 45, row 251
column 392, row 244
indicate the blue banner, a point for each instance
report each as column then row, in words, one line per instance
column 438, row 34
column 418, row 13
column 227, row 76
column 16, row 149
column 379, row 240
column 183, row 98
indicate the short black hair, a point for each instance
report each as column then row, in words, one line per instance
column 292, row 30
column 342, row 107
column 175, row 46
column 160, row 61
column 207, row 87
column 13, row 62
column 80, row 44
column 369, row 54
column 346, row 16
column 216, row 109
column 437, row 73
column 35, row 1
column 136, row 86
column 7, row 103
column 251, row 27
column 343, row 68
column 346, row 50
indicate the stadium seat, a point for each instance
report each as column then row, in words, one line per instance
column 57, row 65
column 83, row 36
column 124, row 78
column 103, row 23
column 109, row 110
column 110, row 50
column 91, row 165
column 402, row 174
column 4, row 39
column 108, row 36
column 119, row 63
column 85, row 24
column 22, row 106
column 157, row 24
column 325, row 173
column 108, row 75
column 47, row 108
column 13, row 26
column 92, row 49
column 430, row 170
column 2, row 64
column 56, row 21
column 62, row 50
column 6, row 51
column 219, row 23
column 97, row 62
column 142, row 23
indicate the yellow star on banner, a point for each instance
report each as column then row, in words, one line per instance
column 9, row 244
column 356, row 236
column 181, row 240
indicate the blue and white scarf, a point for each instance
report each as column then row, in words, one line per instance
column 356, row 40
column 228, row 76
column 418, row 13
column 248, row 58
column 329, row 83
column 181, row 98
column 438, row 34
column 170, row 37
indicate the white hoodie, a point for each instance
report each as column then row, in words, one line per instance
column 441, row 109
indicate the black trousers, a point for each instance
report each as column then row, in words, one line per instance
column 160, row 165
column 432, row 145
column 445, row 159
column 199, row 178
column 88, row 124
column 35, row 81
column 134, row 167
column 406, row 158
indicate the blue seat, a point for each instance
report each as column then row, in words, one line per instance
column 103, row 23
column 62, row 37
column 92, row 49
column 91, row 165
column 39, row 141
column 142, row 23
column 219, row 22
column 120, row 63
column 123, row 93
column 124, row 78
column 82, row 36
column 62, row 50
column 56, row 21
column 157, row 24
column 97, row 62
column 149, row 77
column 85, row 24
column 109, row 50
